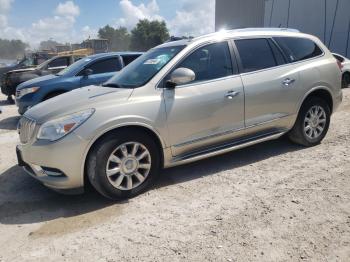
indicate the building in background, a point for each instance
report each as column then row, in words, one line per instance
column 327, row 19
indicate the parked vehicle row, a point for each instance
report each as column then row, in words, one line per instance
column 13, row 78
column 345, row 66
column 91, row 70
column 181, row 102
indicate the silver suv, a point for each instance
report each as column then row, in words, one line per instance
column 180, row 102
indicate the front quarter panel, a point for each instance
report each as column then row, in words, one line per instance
column 145, row 109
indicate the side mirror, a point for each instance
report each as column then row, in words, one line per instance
column 87, row 72
column 180, row 76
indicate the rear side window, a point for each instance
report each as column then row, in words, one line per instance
column 210, row 62
column 106, row 66
column 256, row 54
column 129, row 58
column 298, row 49
column 339, row 58
column 60, row 61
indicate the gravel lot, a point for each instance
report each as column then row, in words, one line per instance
column 270, row 202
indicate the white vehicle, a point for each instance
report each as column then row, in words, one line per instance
column 345, row 67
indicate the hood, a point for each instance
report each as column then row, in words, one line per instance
column 38, row 81
column 77, row 100
column 5, row 69
column 29, row 69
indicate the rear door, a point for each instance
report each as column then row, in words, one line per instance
column 102, row 69
column 271, row 84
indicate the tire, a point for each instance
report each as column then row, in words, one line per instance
column 345, row 80
column 51, row 95
column 299, row 135
column 98, row 162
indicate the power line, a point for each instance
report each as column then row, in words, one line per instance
column 335, row 15
column 288, row 14
column 273, row 3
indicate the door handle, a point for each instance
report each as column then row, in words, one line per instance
column 231, row 94
column 288, row 81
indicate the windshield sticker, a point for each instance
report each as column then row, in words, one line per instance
column 152, row 62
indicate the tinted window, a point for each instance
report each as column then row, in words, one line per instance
column 61, row 61
column 256, row 54
column 210, row 62
column 339, row 58
column 298, row 49
column 129, row 58
column 105, row 66
column 277, row 53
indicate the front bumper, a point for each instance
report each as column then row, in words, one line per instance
column 58, row 165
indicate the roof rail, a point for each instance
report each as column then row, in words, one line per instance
column 248, row 29
column 264, row 29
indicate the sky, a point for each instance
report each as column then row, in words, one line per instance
column 33, row 21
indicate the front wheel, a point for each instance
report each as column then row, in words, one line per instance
column 123, row 164
column 312, row 123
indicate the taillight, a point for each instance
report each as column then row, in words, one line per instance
column 340, row 65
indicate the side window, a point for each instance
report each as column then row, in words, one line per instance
column 129, row 58
column 339, row 58
column 256, row 54
column 277, row 53
column 106, row 66
column 210, row 62
column 60, row 61
column 298, row 49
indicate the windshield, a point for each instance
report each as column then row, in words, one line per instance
column 74, row 67
column 139, row 72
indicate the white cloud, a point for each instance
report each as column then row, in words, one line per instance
column 133, row 13
column 5, row 6
column 67, row 9
column 195, row 17
column 59, row 27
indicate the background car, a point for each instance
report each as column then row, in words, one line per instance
column 92, row 70
column 345, row 67
column 15, row 77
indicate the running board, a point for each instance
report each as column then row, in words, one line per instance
column 224, row 149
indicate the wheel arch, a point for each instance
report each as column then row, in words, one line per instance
column 130, row 126
column 321, row 92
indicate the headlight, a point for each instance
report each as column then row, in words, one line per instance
column 26, row 91
column 58, row 128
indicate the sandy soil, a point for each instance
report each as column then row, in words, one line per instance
column 270, row 202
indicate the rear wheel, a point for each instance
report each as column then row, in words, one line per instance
column 123, row 164
column 312, row 123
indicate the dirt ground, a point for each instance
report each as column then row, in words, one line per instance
column 270, row 202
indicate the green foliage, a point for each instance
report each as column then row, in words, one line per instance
column 148, row 34
column 119, row 38
column 12, row 49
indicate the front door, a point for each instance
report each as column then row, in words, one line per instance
column 210, row 109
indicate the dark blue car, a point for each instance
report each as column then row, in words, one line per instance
column 91, row 70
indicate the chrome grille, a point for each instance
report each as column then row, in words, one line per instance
column 26, row 129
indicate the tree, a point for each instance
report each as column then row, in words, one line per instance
column 148, row 34
column 48, row 45
column 119, row 38
column 12, row 49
